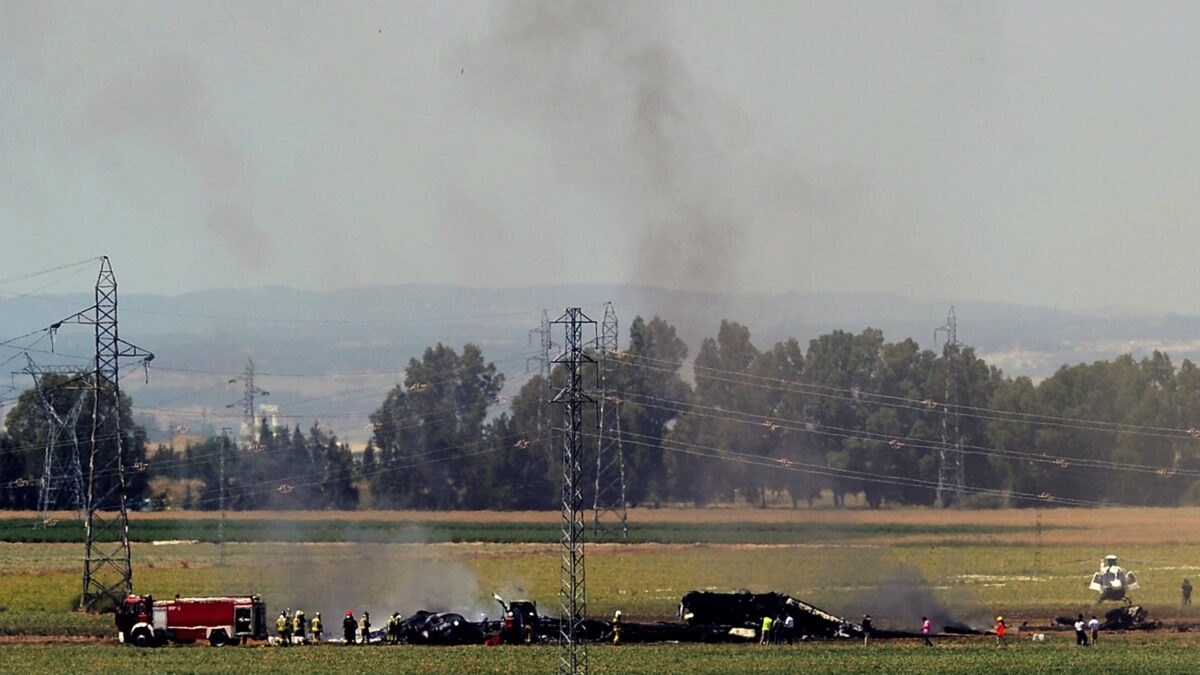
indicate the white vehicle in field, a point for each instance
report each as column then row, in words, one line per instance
column 1112, row 582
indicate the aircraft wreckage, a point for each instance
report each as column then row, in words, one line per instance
column 706, row 617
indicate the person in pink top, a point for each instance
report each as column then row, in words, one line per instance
column 926, row 627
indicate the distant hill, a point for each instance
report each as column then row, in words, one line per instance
column 331, row 356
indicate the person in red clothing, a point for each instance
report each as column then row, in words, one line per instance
column 1000, row 631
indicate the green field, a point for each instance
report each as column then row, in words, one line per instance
column 402, row 532
column 896, row 565
column 1139, row 654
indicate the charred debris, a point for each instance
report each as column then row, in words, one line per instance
column 1129, row 617
column 705, row 617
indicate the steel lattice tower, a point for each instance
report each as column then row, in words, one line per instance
column 951, row 479
column 61, row 467
column 608, row 504
column 250, row 430
column 106, row 567
column 221, row 493
column 572, row 651
column 545, row 344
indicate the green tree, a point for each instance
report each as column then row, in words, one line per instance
column 366, row 467
column 335, row 468
column 792, row 444
column 27, row 429
column 723, row 422
column 841, row 365
column 652, row 395
column 431, row 430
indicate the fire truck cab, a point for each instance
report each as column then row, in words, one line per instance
column 143, row 621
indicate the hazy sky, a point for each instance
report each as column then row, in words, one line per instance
column 1039, row 153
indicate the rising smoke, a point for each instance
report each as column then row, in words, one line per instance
column 623, row 114
column 373, row 577
column 117, row 91
column 164, row 109
column 899, row 595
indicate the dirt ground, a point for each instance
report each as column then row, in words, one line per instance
column 1176, row 519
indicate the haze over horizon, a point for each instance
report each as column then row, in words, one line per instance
column 1004, row 152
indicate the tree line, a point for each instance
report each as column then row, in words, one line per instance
column 848, row 414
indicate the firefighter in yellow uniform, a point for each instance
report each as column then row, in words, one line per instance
column 364, row 626
column 298, row 627
column 317, row 628
column 394, row 628
column 616, row 627
column 285, row 628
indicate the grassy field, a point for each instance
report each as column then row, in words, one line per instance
column 965, row 565
column 1138, row 654
column 440, row 531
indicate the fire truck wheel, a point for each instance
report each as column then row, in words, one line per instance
column 218, row 638
column 143, row 638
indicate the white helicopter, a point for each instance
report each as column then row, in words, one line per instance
column 1112, row 582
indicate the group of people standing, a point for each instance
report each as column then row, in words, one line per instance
column 294, row 629
column 359, row 632
column 1083, row 627
column 777, row 629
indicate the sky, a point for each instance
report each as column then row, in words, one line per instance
column 1027, row 152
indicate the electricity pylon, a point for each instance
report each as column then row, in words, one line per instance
column 951, row 479
column 60, row 467
column 608, row 500
column 572, row 610
column 107, row 573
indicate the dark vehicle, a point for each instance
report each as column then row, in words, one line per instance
column 520, row 625
column 441, row 628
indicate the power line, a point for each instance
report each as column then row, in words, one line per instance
column 31, row 275
column 776, row 423
column 860, row 397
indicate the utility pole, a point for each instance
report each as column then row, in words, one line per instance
column 572, row 610
column 249, row 431
column 608, row 500
column 60, row 466
column 545, row 344
column 107, row 572
column 221, row 498
column 951, row 479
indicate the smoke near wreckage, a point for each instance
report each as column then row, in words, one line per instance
column 376, row 580
column 901, row 596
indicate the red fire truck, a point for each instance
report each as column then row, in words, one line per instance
column 146, row 622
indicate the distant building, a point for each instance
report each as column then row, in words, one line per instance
column 268, row 413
